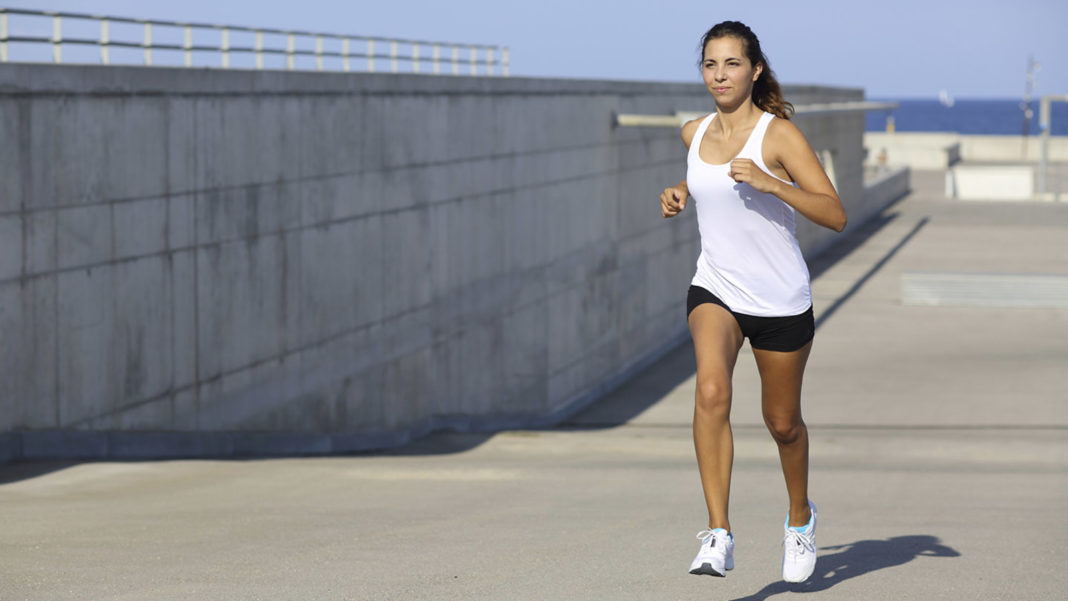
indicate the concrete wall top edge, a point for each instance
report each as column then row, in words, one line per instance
column 38, row 78
column 812, row 88
column 16, row 78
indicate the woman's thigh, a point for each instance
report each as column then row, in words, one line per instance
column 716, row 342
column 781, row 375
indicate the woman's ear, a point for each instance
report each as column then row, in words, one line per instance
column 756, row 72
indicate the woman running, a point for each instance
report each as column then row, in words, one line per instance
column 749, row 169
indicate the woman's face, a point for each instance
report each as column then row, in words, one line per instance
column 727, row 73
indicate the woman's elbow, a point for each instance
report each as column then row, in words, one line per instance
column 839, row 224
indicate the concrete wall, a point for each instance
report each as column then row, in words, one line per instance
column 887, row 185
column 200, row 262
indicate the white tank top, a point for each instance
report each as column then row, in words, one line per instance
column 750, row 257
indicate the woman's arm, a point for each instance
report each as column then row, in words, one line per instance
column 815, row 197
column 673, row 199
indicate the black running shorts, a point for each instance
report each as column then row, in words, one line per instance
column 786, row 334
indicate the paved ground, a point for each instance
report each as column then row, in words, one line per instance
column 940, row 467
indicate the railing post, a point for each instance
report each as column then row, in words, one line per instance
column 1044, row 125
column 393, row 56
column 455, row 60
column 291, row 45
column 187, row 45
column 104, row 58
column 370, row 56
column 345, row 54
column 415, row 58
column 148, row 43
column 504, row 61
column 57, row 40
column 489, row 61
column 437, row 59
column 318, row 53
column 259, row 49
column 225, row 48
column 3, row 35
column 474, row 68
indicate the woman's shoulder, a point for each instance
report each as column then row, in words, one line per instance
column 689, row 129
column 782, row 127
column 784, row 134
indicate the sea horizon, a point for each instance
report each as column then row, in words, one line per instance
column 966, row 116
column 935, row 98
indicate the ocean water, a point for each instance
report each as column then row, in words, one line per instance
column 967, row 116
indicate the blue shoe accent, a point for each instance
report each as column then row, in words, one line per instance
column 801, row 528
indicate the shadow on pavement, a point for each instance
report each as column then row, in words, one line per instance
column 825, row 314
column 857, row 559
column 18, row 471
column 637, row 394
column 444, row 442
column 850, row 241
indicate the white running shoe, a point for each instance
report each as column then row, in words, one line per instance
column 799, row 550
column 716, row 555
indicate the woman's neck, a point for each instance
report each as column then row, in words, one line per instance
column 737, row 118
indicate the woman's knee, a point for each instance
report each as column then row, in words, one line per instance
column 713, row 397
column 785, row 429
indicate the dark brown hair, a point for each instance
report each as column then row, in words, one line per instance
column 767, row 94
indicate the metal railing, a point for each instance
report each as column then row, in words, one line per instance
column 418, row 53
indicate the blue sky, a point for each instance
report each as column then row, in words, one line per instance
column 900, row 49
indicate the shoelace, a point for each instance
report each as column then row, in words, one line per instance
column 705, row 535
column 798, row 543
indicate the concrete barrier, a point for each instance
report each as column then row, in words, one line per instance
column 939, row 150
column 888, row 186
column 919, row 151
column 991, row 182
column 198, row 262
